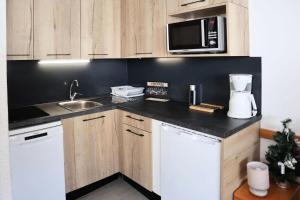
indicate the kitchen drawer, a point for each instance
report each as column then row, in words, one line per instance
column 136, row 121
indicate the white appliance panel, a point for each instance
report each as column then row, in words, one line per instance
column 190, row 165
column 37, row 162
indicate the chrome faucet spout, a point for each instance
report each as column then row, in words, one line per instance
column 73, row 96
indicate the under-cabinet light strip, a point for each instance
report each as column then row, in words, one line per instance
column 63, row 61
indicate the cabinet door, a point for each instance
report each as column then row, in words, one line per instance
column 19, row 29
column 69, row 153
column 96, row 147
column 144, row 28
column 56, row 29
column 101, row 28
column 137, row 158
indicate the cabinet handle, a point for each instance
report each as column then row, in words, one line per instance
column 58, row 54
column 130, row 131
column 140, row 120
column 143, row 53
column 85, row 120
column 18, row 54
column 186, row 4
column 98, row 54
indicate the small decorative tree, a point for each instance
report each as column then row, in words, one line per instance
column 281, row 156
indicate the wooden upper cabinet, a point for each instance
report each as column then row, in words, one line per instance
column 19, row 29
column 56, row 29
column 101, row 28
column 186, row 5
column 144, row 28
column 96, row 147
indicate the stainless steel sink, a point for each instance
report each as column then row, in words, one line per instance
column 79, row 105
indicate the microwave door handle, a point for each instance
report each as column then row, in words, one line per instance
column 203, row 31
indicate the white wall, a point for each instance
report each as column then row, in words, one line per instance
column 5, row 187
column 275, row 36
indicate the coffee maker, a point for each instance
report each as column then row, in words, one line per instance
column 242, row 103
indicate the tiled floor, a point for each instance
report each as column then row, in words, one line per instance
column 117, row 190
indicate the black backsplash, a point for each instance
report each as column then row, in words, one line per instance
column 30, row 83
column 211, row 73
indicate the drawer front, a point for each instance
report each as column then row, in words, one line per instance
column 136, row 121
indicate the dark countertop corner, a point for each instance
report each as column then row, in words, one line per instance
column 216, row 124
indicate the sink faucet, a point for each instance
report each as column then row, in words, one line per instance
column 72, row 96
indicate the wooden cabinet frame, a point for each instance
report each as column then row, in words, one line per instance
column 237, row 22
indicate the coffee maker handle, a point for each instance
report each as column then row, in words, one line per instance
column 254, row 106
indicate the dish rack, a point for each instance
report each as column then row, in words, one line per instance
column 127, row 91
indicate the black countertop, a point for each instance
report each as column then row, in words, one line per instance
column 216, row 124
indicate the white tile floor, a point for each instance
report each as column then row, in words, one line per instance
column 117, row 190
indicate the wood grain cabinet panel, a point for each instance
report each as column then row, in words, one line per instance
column 101, row 28
column 96, row 147
column 144, row 28
column 91, row 149
column 137, row 156
column 69, row 154
column 56, row 29
column 19, row 29
column 238, row 150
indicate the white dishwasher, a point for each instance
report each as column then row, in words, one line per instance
column 190, row 164
column 37, row 162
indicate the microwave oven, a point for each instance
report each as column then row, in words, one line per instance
column 205, row 35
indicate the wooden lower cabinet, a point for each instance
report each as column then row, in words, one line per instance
column 102, row 144
column 69, row 155
column 91, row 149
column 237, row 151
column 137, row 155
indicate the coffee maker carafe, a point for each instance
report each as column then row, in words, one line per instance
column 242, row 103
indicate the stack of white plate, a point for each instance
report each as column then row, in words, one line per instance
column 127, row 91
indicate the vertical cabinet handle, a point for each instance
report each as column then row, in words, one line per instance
column 140, row 120
column 85, row 120
column 130, row 131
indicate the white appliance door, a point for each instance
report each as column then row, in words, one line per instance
column 37, row 162
column 190, row 165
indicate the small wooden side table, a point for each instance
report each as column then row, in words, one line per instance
column 275, row 193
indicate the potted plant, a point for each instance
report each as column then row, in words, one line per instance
column 282, row 156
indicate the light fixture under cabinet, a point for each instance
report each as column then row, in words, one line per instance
column 63, row 61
